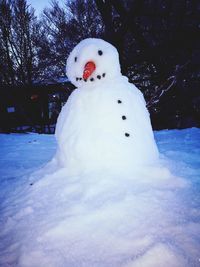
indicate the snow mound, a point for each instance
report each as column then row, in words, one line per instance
column 104, row 219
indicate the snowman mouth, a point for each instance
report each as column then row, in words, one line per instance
column 92, row 79
column 89, row 68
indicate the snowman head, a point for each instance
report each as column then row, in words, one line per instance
column 92, row 61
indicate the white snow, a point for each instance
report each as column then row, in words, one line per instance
column 99, row 220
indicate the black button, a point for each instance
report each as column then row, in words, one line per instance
column 92, row 79
column 99, row 77
column 77, row 79
column 123, row 117
column 119, row 101
column 103, row 74
column 127, row 134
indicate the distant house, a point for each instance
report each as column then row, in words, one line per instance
column 33, row 107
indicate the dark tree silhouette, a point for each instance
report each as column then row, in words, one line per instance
column 159, row 47
column 17, row 30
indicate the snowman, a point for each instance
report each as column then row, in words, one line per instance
column 105, row 125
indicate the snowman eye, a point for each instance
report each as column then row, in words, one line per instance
column 100, row 52
column 75, row 59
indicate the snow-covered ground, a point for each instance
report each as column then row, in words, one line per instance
column 99, row 220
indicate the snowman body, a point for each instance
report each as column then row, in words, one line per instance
column 105, row 126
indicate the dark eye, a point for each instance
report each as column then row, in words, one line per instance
column 75, row 59
column 100, row 52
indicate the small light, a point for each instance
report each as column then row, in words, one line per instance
column 34, row 97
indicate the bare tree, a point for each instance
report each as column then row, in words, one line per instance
column 61, row 29
column 17, row 30
column 7, row 62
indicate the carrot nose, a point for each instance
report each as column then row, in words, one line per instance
column 88, row 69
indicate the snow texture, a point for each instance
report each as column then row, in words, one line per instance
column 50, row 219
column 104, row 126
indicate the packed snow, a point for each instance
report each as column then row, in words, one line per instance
column 49, row 219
